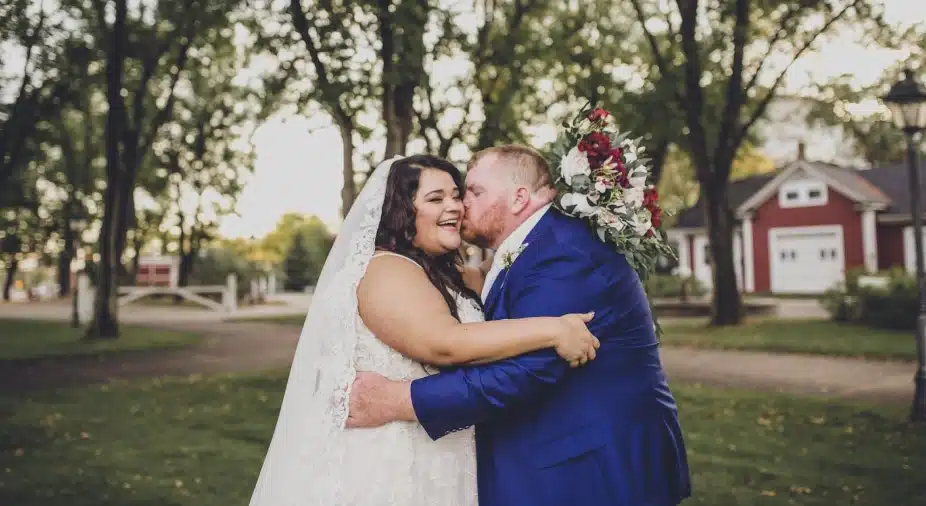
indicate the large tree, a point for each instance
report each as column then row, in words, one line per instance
column 147, row 50
column 361, row 63
column 203, row 151
column 748, row 46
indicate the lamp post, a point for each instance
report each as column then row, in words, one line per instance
column 907, row 102
column 77, row 226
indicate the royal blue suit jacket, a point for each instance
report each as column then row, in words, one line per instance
column 603, row 434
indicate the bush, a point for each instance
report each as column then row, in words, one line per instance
column 891, row 307
column 215, row 264
column 894, row 307
column 666, row 285
column 841, row 301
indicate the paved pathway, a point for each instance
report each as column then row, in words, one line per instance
column 255, row 346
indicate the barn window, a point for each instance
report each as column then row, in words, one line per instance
column 802, row 193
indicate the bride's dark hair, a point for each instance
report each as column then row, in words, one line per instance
column 397, row 229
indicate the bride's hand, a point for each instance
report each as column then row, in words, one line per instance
column 574, row 342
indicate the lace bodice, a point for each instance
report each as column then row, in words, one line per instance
column 373, row 355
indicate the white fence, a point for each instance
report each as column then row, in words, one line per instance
column 129, row 294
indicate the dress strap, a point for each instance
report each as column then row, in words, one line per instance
column 389, row 253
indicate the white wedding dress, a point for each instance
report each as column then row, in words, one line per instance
column 313, row 460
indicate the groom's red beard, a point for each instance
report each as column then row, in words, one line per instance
column 487, row 229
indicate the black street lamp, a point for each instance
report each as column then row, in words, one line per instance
column 77, row 226
column 907, row 102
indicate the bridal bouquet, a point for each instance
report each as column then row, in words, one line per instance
column 603, row 177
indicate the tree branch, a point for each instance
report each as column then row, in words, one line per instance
column 694, row 103
column 328, row 96
column 100, row 7
column 164, row 114
column 651, row 39
column 763, row 104
column 734, row 100
column 660, row 60
column 780, row 34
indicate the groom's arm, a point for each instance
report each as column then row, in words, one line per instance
column 560, row 284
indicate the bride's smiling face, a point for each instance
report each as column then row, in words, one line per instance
column 438, row 213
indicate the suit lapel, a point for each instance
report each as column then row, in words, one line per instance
column 494, row 292
column 545, row 223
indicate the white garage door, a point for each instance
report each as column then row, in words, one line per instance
column 806, row 259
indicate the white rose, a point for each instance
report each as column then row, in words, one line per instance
column 633, row 197
column 638, row 179
column 629, row 155
column 612, row 220
column 574, row 163
column 582, row 207
column 642, row 223
column 600, row 187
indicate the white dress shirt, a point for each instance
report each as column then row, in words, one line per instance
column 510, row 245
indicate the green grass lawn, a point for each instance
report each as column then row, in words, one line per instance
column 796, row 336
column 31, row 339
column 296, row 320
column 200, row 442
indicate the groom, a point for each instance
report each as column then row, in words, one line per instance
column 605, row 433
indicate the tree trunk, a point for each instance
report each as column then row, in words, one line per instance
column 106, row 310
column 349, row 190
column 726, row 306
column 137, row 245
column 11, row 269
column 186, row 268
column 64, row 273
column 658, row 156
column 127, row 197
column 105, row 324
column 402, row 50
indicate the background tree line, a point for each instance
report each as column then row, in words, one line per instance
column 124, row 126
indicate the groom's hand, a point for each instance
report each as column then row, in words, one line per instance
column 376, row 401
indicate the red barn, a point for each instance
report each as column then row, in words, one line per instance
column 799, row 229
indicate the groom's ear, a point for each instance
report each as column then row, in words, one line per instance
column 520, row 200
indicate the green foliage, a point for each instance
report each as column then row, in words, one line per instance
column 305, row 257
column 213, row 266
column 894, row 306
column 298, row 265
column 667, row 285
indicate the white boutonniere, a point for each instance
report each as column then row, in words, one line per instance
column 509, row 257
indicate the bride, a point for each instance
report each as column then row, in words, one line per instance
column 399, row 241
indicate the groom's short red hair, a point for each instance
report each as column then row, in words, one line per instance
column 527, row 165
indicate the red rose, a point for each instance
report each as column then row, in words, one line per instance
column 650, row 196
column 656, row 218
column 596, row 143
column 622, row 180
column 598, row 115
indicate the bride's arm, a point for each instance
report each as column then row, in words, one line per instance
column 403, row 309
